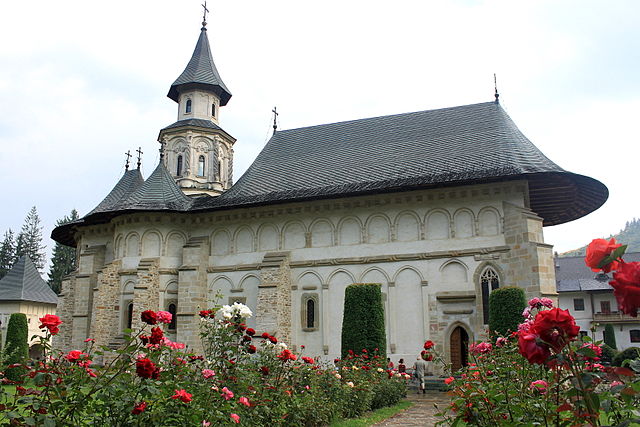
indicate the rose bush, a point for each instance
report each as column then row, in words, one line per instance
column 543, row 375
column 243, row 377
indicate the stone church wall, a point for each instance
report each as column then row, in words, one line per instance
column 290, row 263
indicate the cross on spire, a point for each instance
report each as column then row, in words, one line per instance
column 495, row 85
column 139, row 151
column 204, row 14
column 126, row 165
column 275, row 117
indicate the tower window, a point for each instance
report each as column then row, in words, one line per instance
column 173, row 310
column 213, row 110
column 201, row 166
column 489, row 281
column 179, row 166
column 187, row 108
column 129, row 315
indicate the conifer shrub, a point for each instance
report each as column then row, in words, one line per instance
column 363, row 320
column 610, row 336
column 608, row 354
column 505, row 309
column 631, row 353
column 17, row 346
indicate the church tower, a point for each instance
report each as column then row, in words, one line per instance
column 198, row 152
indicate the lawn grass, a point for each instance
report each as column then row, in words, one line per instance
column 370, row 418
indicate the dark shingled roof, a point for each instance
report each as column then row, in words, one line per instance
column 573, row 275
column 23, row 283
column 158, row 193
column 130, row 182
column 463, row 145
column 201, row 72
column 452, row 146
column 194, row 122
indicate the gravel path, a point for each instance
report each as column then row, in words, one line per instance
column 422, row 413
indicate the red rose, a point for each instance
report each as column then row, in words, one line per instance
column 264, row 370
column 139, row 408
column 182, row 395
column 51, row 322
column 156, row 336
column 251, row 349
column 555, row 327
column 251, row 332
column 149, row 317
column 428, row 345
column 74, row 355
column 145, row 368
column 626, row 287
column 533, row 350
column 308, row 360
column 598, row 250
column 273, row 340
column 265, row 335
column 205, row 313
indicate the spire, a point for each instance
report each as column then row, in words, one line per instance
column 201, row 72
column 495, row 85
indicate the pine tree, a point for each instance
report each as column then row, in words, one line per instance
column 63, row 259
column 7, row 253
column 29, row 240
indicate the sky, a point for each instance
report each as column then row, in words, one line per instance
column 82, row 82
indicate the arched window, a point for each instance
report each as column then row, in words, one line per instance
column 213, row 110
column 187, row 108
column 174, row 321
column 311, row 307
column 489, row 281
column 179, row 167
column 130, row 315
column 201, row 166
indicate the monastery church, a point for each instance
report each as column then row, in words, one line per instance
column 440, row 207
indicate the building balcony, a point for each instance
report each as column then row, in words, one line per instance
column 614, row 317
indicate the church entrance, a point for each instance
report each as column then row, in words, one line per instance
column 458, row 348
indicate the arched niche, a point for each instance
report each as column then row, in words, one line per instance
column 349, row 231
column 151, row 244
column 338, row 281
column 454, row 274
column 219, row 287
column 244, row 239
column 489, row 222
column 410, row 311
column 463, row 224
column 175, row 243
column 309, row 280
column 294, row 236
column 378, row 229
column 437, row 225
column 321, row 234
column 249, row 286
column 132, row 246
column 221, row 243
column 268, row 238
column 407, row 227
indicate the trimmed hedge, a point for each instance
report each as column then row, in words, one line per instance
column 608, row 354
column 363, row 319
column 505, row 309
column 610, row 336
column 631, row 353
column 17, row 345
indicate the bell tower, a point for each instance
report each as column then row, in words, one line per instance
column 198, row 152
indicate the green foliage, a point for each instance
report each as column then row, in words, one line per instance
column 505, row 309
column 7, row 253
column 63, row 259
column 629, row 234
column 29, row 241
column 608, row 354
column 17, row 345
column 630, row 353
column 610, row 336
column 387, row 393
column 363, row 319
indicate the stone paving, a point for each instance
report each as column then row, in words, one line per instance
column 422, row 413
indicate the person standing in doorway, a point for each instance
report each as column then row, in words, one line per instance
column 420, row 372
column 401, row 366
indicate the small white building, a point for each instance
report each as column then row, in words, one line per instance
column 589, row 298
column 22, row 290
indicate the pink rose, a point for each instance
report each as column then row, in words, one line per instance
column 235, row 418
column 208, row 373
column 164, row 316
column 227, row 394
column 244, row 401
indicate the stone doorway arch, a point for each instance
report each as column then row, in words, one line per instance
column 458, row 348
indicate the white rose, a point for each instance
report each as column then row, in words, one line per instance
column 350, row 384
column 226, row 311
column 281, row 346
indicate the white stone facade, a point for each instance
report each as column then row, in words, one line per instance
column 428, row 250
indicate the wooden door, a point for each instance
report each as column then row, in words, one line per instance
column 458, row 343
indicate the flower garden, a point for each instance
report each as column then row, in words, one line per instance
column 539, row 374
column 242, row 377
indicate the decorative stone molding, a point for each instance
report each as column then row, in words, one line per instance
column 451, row 297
